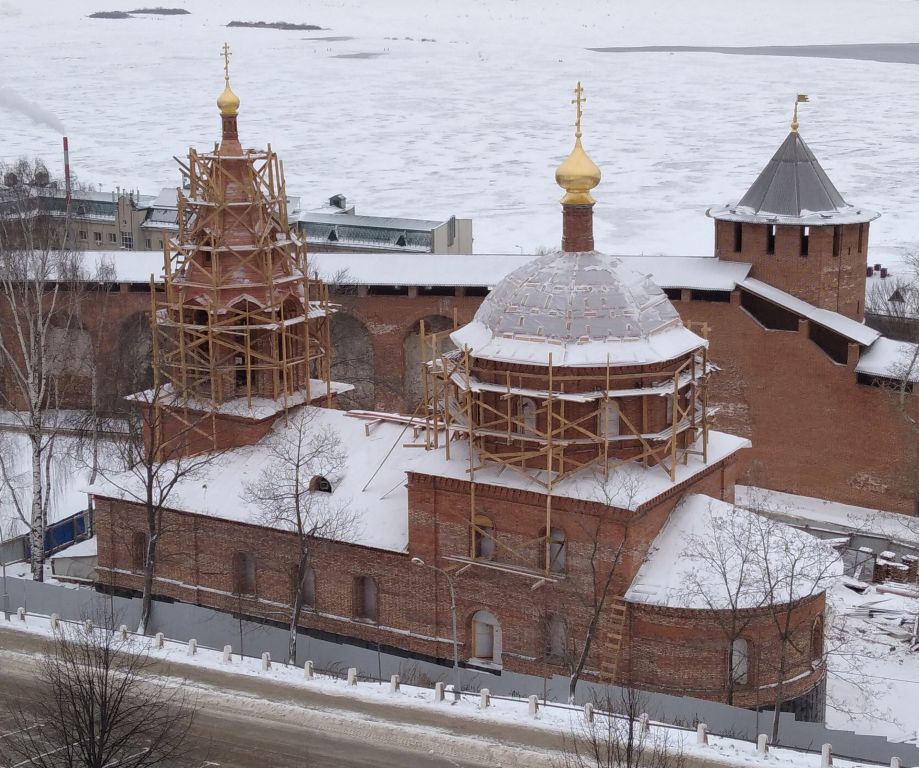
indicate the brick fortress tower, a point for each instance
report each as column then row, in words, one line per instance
column 241, row 333
column 798, row 232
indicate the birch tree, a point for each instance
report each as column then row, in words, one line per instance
column 40, row 289
column 148, row 467
column 295, row 492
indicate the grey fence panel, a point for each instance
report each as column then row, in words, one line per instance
column 182, row 621
column 14, row 550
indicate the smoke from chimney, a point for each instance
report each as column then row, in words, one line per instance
column 15, row 102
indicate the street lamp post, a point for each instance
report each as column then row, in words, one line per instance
column 421, row 563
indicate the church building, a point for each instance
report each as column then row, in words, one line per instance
column 564, row 456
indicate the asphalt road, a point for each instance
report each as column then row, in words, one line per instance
column 251, row 726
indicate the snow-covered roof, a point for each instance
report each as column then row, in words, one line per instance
column 630, row 486
column 485, row 270
column 793, row 189
column 86, row 548
column 126, row 266
column 677, row 574
column 582, row 308
column 378, row 500
column 890, row 359
column 844, row 326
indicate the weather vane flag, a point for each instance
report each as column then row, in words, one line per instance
column 794, row 119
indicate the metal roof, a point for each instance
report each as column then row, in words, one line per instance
column 793, row 182
column 372, row 222
column 793, row 188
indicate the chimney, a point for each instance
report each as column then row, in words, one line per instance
column 67, row 189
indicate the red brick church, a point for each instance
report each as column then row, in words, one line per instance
column 565, row 455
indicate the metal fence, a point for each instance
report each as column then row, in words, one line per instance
column 182, row 621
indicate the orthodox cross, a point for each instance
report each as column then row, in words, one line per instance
column 579, row 99
column 226, row 53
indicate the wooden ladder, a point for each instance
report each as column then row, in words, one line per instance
column 610, row 662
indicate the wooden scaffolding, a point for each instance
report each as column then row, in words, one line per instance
column 567, row 428
column 240, row 317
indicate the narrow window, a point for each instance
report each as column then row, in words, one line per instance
column 558, row 550
column 112, row 237
column 486, row 637
column 97, row 237
column 817, row 641
column 738, row 237
column 365, row 598
column 861, row 236
column 320, row 484
column 83, row 234
column 240, row 372
column 138, row 550
column 805, row 240
column 244, row 573
column 837, row 240
column 556, row 638
column 609, row 419
column 669, row 410
column 770, row 239
column 740, row 655
column 483, row 538
column 526, row 415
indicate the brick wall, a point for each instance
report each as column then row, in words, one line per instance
column 830, row 275
column 196, row 565
column 687, row 652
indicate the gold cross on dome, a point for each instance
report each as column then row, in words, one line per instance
column 579, row 99
column 226, row 53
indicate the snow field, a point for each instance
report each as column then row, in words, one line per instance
column 561, row 719
column 464, row 108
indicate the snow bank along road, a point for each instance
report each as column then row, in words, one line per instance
column 245, row 722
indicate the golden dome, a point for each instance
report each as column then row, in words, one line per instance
column 577, row 176
column 228, row 102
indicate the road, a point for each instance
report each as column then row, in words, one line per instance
column 241, row 723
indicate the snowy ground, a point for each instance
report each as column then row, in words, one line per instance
column 513, row 712
column 430, row 109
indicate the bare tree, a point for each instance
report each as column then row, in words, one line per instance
column 609, row 546
column 96, row 705
column 40, row 292
column 726, row 581
column 295, row 492
column 148, row 466
column 791, row 567
column 620, row 736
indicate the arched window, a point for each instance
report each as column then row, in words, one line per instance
column 609, row 419
column 526, row 415
column 365, row 598
column 321, row 484
column 740, row 661
column 244, row 573
column 486, row 637
column 483, row 538
column 556, row 638
column 138, row 550
column 817, row 641
column 553, row 550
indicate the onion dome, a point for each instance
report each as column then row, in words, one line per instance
column 578, row 174
column 228, row 102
